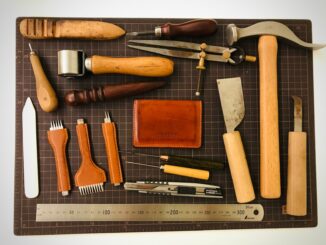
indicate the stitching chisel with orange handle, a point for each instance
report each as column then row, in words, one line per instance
column 89, row 177
column 58, row 137
column 296, row 196
column 111, row 146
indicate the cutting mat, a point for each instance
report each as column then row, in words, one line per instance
column 295, row 77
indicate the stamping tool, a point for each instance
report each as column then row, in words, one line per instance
column 89, row 177
column 58, row 138
column 112, row 152
column 177, row 170
column 175, row 189
column 201, row 52
column 45, row 93
column 192, row 28
column 296, row 196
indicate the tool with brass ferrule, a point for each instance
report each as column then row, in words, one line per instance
column 193, row 28
column 201, row 52
column 296, row 197
column 58, row 138
column 89, row 177
column 177, row 170
column 186, row 161
column 175, row 189
column 112, row 152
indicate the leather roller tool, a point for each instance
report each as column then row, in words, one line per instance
column 270, row 177
column 89, row 177
column 296, row 196
column 110, row 136
column 72, row 63
column 82, row 29
column 45, row 93
column 58, row 138
column 200, row 52
column 231, row 97
column 192, row 28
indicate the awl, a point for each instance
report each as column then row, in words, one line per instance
column 194, row 28
column 31, row 183
column 296, row 197
column 232, row 102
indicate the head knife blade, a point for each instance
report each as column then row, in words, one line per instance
column 31, row 182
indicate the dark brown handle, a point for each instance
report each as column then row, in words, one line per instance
column 193, row 28
column 109, row 92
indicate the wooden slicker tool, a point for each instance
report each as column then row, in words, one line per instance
column 296, row 197
column 187, row 172
column 112, row 151
column 45, row 93
column 270, row 177
column 58, row 138
column 231, row 96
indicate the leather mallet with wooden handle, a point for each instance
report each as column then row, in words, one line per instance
column 270, row 180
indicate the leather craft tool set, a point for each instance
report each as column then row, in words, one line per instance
column 152, row 154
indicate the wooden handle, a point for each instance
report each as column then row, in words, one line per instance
column 83, row 142
column 192, row 28
column 45, row 93
column 58, row 141
column 187, row 172
column 270, row 179
column 296, row 197
column 139, row 66
column 84, row 29
column 243, row 187
column 111, row 146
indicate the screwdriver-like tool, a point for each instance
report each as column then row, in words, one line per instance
column 182, row 171
column 111, row 146
column 58, row 137
column 185, row 161
column 193, row 28
column 45, row 93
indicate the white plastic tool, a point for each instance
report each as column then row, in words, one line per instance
column 31, row 183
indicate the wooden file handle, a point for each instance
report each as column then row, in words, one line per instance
column 243, row 187
column 139, row 66
column 270, row 179
column 112, row 152
column 296, row 197
column 44, row 91
column 187, row 172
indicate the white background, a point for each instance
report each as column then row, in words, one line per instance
column 248, row 9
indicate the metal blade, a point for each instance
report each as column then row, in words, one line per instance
column 232, row 102
column 31, row 184
column 297, row 113
column 180, row 45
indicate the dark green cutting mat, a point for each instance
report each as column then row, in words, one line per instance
column 295, row 77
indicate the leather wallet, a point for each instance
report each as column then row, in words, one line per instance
column 167, row 123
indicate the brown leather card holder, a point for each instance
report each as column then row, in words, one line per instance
column 167, row 123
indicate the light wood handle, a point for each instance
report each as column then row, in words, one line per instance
column 296, row 197
column 111, row 146
column 45, row 93
column 243, row 187
column 187, row 172
column 270, row 179
column 139, row 66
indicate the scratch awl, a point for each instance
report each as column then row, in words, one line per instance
column 296, row 197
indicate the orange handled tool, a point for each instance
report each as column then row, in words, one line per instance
column 111, row 146
column 58, row 137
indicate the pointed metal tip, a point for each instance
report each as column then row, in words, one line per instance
column 30, row 47
column 132, row 34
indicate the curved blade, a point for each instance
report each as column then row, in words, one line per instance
column 231, row 97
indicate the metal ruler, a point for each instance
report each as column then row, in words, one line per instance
column 149, row 212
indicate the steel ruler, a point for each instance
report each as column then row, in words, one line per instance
column 149, row 212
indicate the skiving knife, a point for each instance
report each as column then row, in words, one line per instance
column 31, row 182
